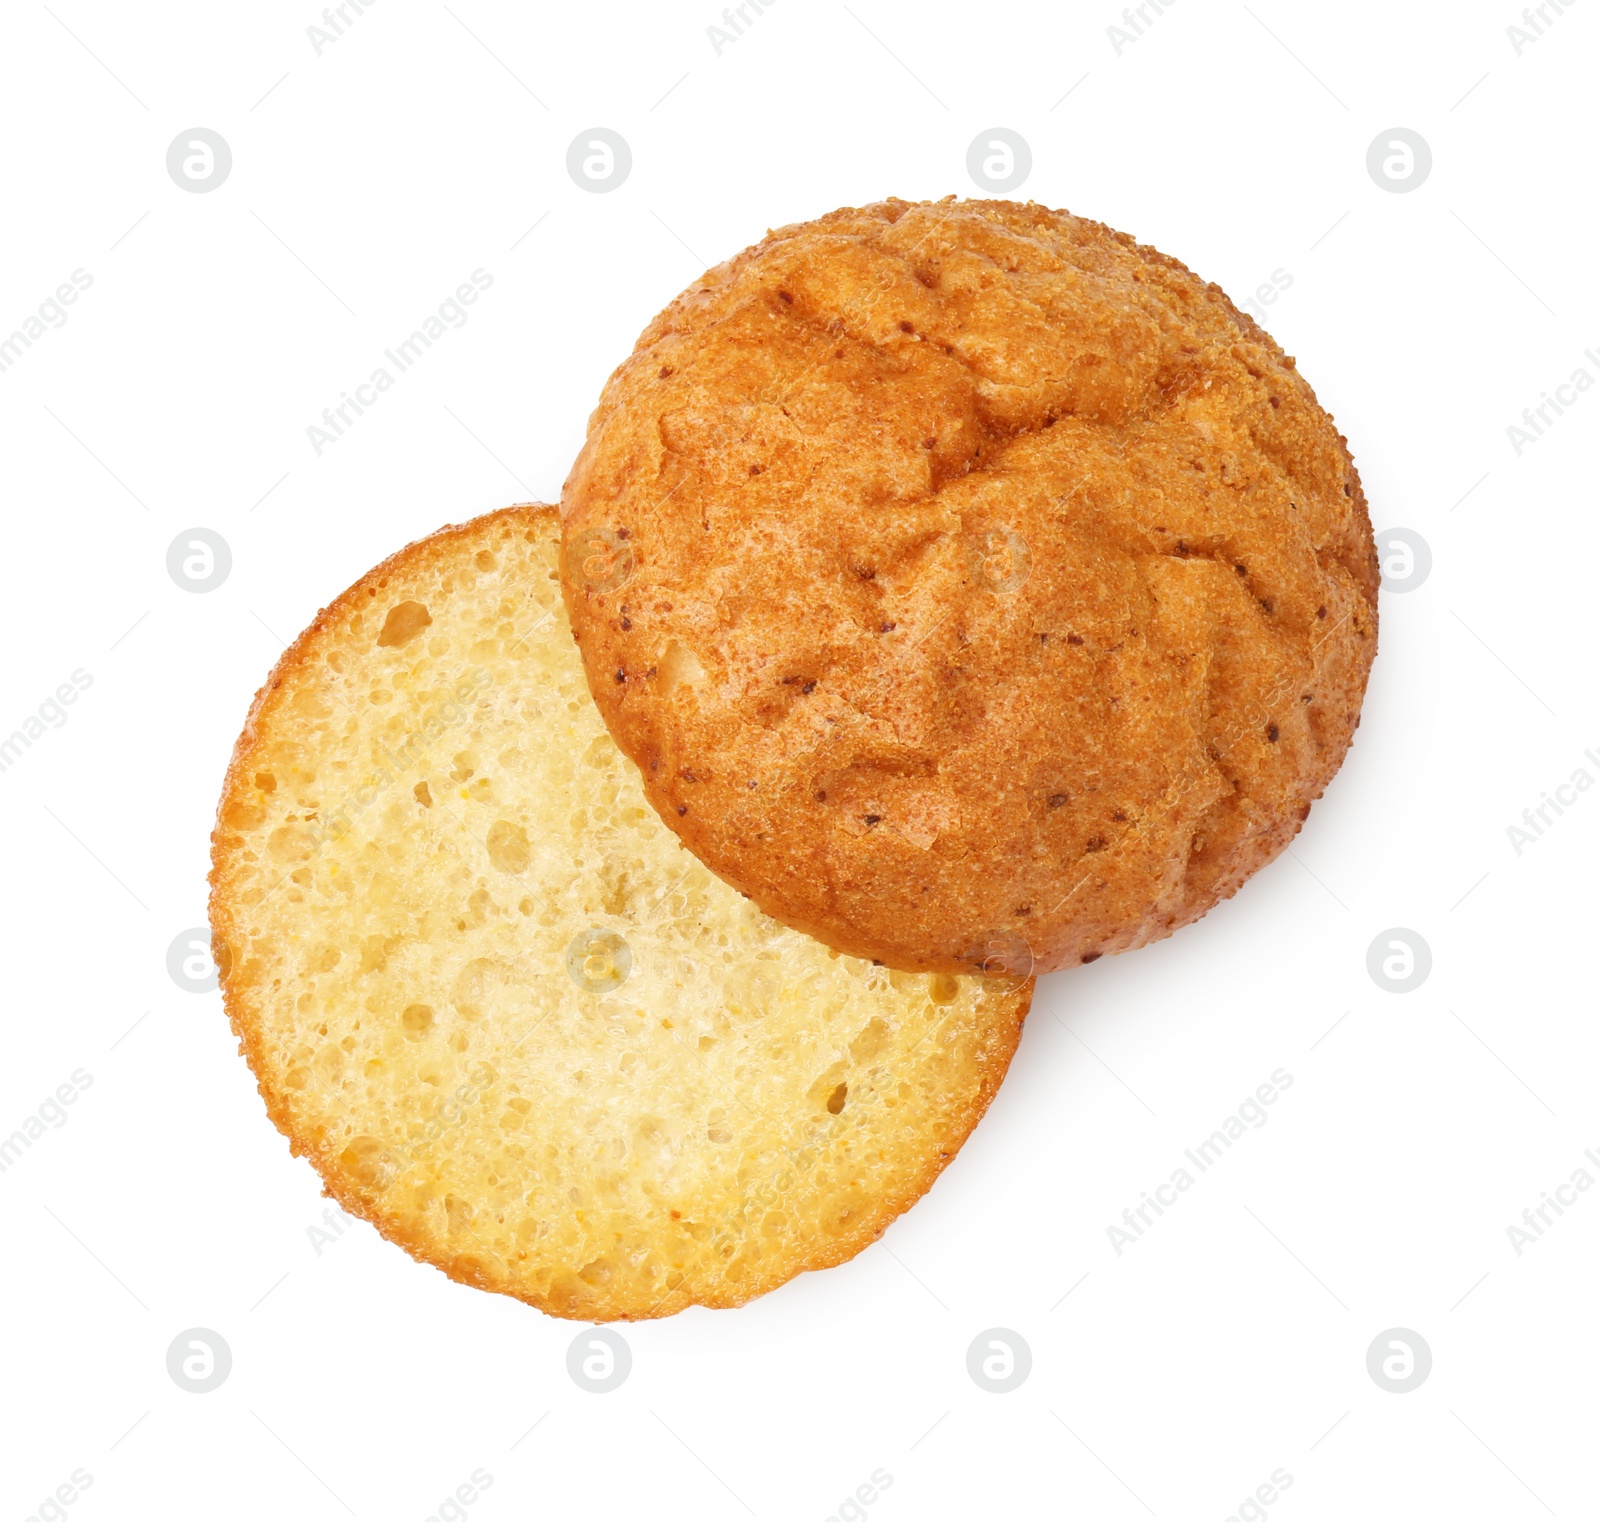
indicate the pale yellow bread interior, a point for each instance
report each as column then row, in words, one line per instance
column 508, row 1017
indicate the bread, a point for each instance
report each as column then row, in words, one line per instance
column 966, row 571
column 502, row 1011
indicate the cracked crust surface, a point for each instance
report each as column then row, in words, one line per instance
column 966, row 575
column 510, row 1020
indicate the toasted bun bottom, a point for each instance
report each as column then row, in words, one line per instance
column 508, row 1017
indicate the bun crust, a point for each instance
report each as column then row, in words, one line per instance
column 966, row 575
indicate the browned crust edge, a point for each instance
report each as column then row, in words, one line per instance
column 1003, row 1035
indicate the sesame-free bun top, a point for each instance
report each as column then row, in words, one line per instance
column 968, row 579
column 507, row 1016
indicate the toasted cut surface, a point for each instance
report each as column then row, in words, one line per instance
column 507, row 1016
column 967, row 571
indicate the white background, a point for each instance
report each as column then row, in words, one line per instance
column 1230, row 1340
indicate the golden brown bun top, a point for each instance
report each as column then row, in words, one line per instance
column 965, row 575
